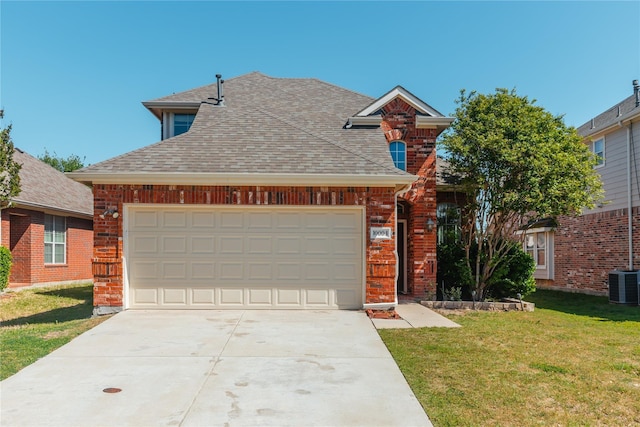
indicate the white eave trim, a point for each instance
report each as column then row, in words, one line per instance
column 249, row 179
column 172, row 105
column 407, row 96
column 48, row 208
column 424, row 122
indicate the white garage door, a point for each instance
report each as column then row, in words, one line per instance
column 243, row 257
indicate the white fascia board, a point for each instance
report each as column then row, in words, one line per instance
column 172, row 105
column 407, row 96
column 535, row 230
column 424, row 122
column 157, row 107
column 243, row 179
column 48, row 208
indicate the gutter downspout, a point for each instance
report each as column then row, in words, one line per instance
column 400, row 192
column 629, row 195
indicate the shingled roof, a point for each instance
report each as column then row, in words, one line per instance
column 612, row 116
column 43, row 187
column 267, row 126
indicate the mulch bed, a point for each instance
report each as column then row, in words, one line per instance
column 383, row 314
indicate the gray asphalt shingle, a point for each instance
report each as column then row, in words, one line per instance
column 46, row 187
column 268, row 125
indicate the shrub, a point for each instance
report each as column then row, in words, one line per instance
column 513, row 276
column 452, row 271
column 5, row 267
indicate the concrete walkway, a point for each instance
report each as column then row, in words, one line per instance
column 415, row 315
column 216, row 368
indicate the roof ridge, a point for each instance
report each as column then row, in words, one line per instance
column 336, row 143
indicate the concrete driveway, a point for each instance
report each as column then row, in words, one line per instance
column 217, row 368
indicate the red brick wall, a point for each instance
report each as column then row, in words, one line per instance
column 399, row 124
column 23, row 233
column 107, row 263
column 587, row 248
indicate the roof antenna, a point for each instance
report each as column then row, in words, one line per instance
column 220, row 90
column 636, row 92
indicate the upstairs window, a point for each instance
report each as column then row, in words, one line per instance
column 182, row 123
column 399, row 154
column 55, row 239
column 597, row 147
column 174, row 124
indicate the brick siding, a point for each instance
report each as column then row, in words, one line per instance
column 399, row 120
column 23, row 234
column 588, row 247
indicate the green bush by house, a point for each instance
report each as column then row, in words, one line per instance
column 5, row 267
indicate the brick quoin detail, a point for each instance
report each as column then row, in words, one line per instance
column 108, row 232
column 399, row 120
column 23, row 234
column 588, row 247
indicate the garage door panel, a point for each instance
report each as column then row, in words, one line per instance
column 232, row 297
column 174, row 244
column 317, row 297
column 231, row 244
column 205, row 297
column 174, row 296
column 260, row 297
column 202, row 245
column 203, row 270
column 145, row 296
column 233, row 257
column 259, row 245
column 174, row 219
column 203, row 220
column 289, row 297
column 231, row 220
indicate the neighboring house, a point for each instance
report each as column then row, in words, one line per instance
column 270, row 193
column 48, row 227
column 577, row 253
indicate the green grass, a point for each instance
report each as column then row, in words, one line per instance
column 35, row 322
column 575, row 360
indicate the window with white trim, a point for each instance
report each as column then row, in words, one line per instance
column 398, row 151
column 535, row 244
column 597, row 147
column 55, row 239
column 174, row 124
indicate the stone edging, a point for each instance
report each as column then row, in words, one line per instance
column 509, row 305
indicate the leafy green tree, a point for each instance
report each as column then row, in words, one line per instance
column 68, row 164
column 515, row 162
column 9, row 169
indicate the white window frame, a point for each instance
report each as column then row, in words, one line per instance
column 53, row 242
column 168, row 118
column 593, row 150
column 536, row 248
column 545, row 271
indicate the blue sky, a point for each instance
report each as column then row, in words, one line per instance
column 74, row 74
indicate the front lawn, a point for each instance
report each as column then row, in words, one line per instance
column 35, row 322
column 575, row 360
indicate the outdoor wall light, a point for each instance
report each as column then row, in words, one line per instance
column 112, row 212
column 429, row 224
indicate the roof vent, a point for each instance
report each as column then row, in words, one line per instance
column 636, row 92
column 220, row 98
